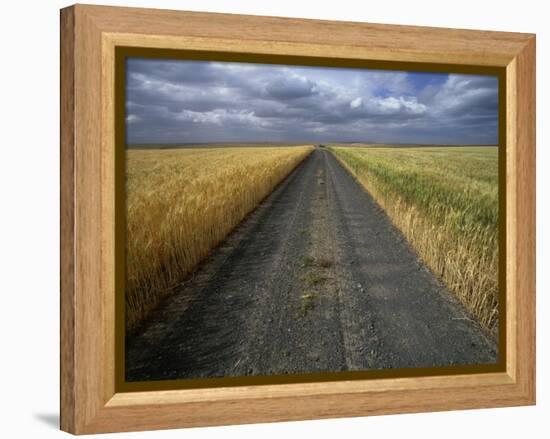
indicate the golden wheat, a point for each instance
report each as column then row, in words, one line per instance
column 445, row 201
column 181, row 203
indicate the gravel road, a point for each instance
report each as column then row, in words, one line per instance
column 316, row 279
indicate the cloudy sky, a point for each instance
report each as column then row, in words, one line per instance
column 192, row 101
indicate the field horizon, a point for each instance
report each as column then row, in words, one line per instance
column 283, row 144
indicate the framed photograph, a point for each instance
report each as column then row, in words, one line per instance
column 268, row 219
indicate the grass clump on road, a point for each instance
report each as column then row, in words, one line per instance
column 308, row 261
column 313, row 279
column 308, row 302
column 321, row 262
column 181, row 203
column 324, row 262
column 445, row 201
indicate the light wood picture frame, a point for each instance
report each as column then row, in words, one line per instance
column 91, row 400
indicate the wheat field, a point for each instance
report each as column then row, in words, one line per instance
column 445, row 201
column 181, row 203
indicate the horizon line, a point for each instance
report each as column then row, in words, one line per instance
column 305, row 142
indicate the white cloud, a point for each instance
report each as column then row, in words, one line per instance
column 412, row 105
column 132, row 118
column 392, row 105
column 356, row 103
column 389, row 104
column 221, row 116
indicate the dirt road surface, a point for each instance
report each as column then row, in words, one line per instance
column 316, row 279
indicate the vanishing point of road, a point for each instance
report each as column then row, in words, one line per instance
column 316, row 279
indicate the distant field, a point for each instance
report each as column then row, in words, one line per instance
column 401, row 145
column 445, row 201
column 211, row 145
column 183, row 202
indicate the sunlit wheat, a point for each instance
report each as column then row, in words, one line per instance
column 445, row 201
column 181, row 203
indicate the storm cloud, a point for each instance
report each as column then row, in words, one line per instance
column 194, row 101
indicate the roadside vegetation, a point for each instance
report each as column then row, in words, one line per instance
column 445, row 201
column 181, row 203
